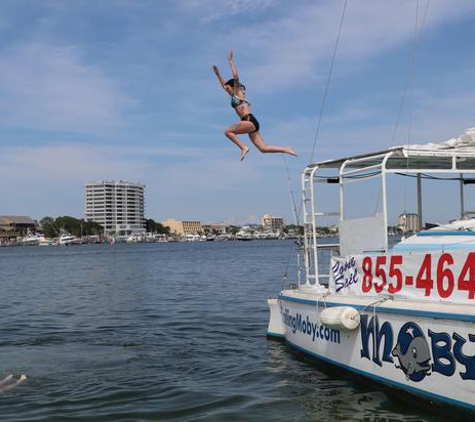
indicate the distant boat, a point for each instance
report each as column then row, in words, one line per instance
column 45, row 241
column 30, row 240
column 132, row 239
column 243, row 235
column 192, row 237
column 67, row 239
column 269, row 235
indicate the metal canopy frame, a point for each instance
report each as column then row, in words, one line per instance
column 397, row 160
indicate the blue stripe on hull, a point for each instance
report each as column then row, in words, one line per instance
column 275, row 335
column 386, row 381
column 406, row 311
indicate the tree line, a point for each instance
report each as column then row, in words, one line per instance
column 52, row 227
column 156, row 227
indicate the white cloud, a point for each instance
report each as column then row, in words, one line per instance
column 51, row 179
column 297, row 48
column 209, row 11
column 241, row 221
column 48, row 88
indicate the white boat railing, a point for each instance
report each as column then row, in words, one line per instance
column 395, row 161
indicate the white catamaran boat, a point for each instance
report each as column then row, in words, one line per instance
column 402, row 315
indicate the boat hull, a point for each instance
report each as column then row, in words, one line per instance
column 426, row 352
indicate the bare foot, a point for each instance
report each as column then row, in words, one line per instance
column 291, row 151
column 244, row 153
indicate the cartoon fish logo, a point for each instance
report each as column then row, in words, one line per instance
column 413, row 353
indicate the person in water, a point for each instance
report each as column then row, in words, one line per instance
column 7, row 383
column 248, row 123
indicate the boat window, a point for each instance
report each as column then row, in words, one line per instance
column 417, row 163
column 465, row 163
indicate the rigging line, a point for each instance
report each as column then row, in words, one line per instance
column 335, row 179
column 410, row 73
column 295, row 214
column 320, row 116
column 411, row 85
column 291, row 192
column 317, row 130
column 430, row 177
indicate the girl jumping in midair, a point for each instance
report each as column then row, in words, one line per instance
column 248, row 123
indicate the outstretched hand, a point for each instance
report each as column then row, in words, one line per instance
column 215, row 68
column 231, row 54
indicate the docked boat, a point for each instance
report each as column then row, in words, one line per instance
column 30, row 240
column 133, row 239
column 44, row 241
column 402, row 315
column 244, row 235
column 67, row 239
column 188, row 237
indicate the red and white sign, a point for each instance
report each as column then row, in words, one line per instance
column 441, row 276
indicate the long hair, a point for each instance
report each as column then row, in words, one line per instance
column 232, row 83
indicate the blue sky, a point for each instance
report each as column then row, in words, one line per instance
column 123, row 90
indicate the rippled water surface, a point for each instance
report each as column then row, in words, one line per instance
column 163, row 332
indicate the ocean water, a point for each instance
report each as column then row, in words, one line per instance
column 170, row 332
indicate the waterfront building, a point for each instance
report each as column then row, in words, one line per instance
column 119, row 206
column 183, row 227
column 409, row 223
column 12, row 226
column 220, row 228
column 271, row 223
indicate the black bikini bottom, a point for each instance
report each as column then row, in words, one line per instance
column 252, row 119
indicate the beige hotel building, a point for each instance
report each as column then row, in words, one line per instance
column 184, row 227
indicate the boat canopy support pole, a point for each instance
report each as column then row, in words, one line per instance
column 462, row 199
column 419, row 199
column 314, row 228
column 385, row 198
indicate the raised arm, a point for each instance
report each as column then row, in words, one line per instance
column 220, row 78
column 233, row 69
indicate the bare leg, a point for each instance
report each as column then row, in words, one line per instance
column 6, row 379
column 257, row 140
column 12, row 385
column 231, row 133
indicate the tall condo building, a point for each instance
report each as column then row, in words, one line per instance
column 270, row 222
column 118, row 206
column 409, row 222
